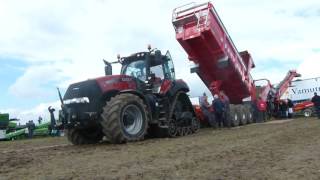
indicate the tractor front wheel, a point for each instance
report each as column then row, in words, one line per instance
column 125, row 118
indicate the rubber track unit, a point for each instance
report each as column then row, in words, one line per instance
column 181, row 127
column 189, row 127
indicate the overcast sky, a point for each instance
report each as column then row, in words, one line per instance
column 50, row 43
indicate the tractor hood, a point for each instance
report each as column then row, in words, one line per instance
column 92, row 91
column 82, row 93
column 96, row 87
column 116, row 82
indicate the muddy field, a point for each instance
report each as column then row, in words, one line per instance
column 274, row 150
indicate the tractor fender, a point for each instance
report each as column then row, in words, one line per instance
column 181, row 94
column 109, row 94
column 178, row 85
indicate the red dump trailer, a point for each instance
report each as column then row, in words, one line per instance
column 218, row 63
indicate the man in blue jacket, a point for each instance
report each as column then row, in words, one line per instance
column 218, row 107
column 205, row 108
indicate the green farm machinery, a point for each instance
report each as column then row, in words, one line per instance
column 9, row 130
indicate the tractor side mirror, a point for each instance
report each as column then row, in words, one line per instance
column 107, row 68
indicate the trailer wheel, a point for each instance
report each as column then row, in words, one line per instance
column 249, row 114
column 125, row 118
column 83, row 136
column 307, row 113
column 234, row 116
column 243, row 115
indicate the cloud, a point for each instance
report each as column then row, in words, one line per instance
column 37, row 81
column 309, row 68
column 308, row 12
column 270, row 35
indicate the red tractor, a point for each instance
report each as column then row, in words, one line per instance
column 144, row 99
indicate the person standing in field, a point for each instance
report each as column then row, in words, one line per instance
column 283, row 107
column 290, row 108
column 39, row 119
column 226, row 102
column 316, row 102
column 31, row 127
column 219, row 108
column 205, row 108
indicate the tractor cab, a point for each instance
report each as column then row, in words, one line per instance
column 147, row 68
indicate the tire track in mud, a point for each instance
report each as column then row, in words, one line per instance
column 36, row 149
column 258, row 151
column 71, row 146
column 147, row 141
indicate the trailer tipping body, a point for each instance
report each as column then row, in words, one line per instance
column 215, row 58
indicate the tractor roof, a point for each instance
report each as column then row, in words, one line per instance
column 142, row 56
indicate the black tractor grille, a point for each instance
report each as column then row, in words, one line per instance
column 88, row 89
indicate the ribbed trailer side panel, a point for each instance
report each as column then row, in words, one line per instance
column 201, row 33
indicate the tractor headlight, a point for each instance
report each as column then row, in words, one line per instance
column 81, row 100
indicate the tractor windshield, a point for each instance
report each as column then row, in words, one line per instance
column 135, row 69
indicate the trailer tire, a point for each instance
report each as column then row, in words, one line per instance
column 249, row 114
column 243, row 115
column 234, row 116
column 125, row 118
column 81, row 136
